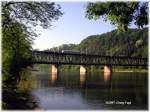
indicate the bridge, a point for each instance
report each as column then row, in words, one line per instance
column 59, row 58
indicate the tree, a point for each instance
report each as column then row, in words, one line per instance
column 17, row 36
column 142, row 15
column 34, row 13
column 120, row 14
column 16, row 52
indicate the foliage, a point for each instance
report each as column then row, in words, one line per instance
column 134, row 42
column 17, row 35
column 64, row 47
column 120, row 14
column 16, row 51
column 17, row 17
column 33, row 13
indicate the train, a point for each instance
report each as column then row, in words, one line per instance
column 70, row 51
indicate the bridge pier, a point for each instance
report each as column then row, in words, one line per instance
column 55, row 69
column 107, row 72
column 82, row 69
column 108, row 69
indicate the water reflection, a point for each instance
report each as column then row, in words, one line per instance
column 82, row 79
column 91, row 90
column 54, row 78
column 107, row 76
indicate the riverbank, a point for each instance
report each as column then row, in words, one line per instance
column 18, row 97
column 17, row 100
column 114, row 70
column 130, row 70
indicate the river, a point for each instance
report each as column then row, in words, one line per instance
column 72, row 91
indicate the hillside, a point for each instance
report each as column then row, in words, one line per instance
column 132, row 43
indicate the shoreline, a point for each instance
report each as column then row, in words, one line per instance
column 130, row 71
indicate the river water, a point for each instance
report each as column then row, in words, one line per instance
column 72, row 91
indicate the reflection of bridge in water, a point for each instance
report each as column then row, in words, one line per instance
column 59, row 58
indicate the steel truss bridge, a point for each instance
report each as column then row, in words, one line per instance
column 49, row 57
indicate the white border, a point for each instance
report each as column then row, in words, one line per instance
column 74, row 110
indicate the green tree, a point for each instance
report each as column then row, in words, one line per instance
column 120, row 14
column 17, row 18
column 33, row 13
column 16, row 51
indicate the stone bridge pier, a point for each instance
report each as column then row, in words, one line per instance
column 107, row 68
column 55, row 69
column 83, row 69
column 107, row 72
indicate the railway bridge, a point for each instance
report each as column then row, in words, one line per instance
column 59, row 58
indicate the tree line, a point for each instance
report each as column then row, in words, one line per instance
column 133, row 43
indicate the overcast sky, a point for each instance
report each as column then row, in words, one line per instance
column 72, row 27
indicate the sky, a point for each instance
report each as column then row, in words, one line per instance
column 72, row 27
